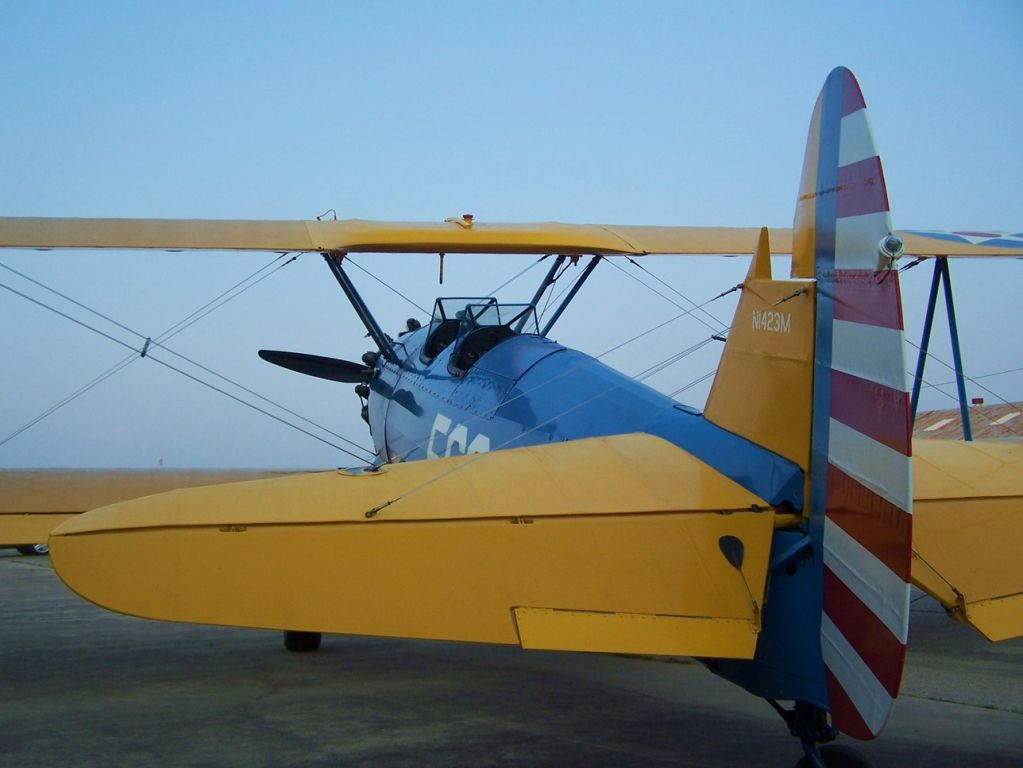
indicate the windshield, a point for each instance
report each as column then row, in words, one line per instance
column 455, row 319
column 521, row 318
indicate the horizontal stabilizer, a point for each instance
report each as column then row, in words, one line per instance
column 968, row 529
column 449, row 549
column 721, row 638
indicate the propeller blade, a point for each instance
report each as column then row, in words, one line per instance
column 330, row 368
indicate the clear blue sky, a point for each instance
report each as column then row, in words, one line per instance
column 646, row 112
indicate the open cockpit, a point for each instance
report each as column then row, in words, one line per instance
column 472, row 327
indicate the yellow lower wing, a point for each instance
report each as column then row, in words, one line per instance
column 968, row 531
column 34, row 501
column 608, row 544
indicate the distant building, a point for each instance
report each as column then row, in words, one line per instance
column 1000, row 421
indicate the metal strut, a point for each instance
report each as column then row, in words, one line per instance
column 941, row 275
column 571, row 294
column 334, row 259
column 547, row 282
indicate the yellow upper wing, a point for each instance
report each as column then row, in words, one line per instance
column 450, row 236
column 608, row 544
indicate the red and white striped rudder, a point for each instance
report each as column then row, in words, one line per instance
column 860, row 487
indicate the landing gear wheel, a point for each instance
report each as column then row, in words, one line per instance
column 837, row 756
column 34, row 549
column 301, row 642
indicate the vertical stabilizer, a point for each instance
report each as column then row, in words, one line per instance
column 762, row 388
column 860, row 483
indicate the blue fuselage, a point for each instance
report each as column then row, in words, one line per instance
column 530, row 390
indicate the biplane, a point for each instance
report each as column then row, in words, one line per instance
column 525, row 493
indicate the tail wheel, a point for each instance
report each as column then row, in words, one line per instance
column 836, row 756
column 34, row 549
column 302, row 642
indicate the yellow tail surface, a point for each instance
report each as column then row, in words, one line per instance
column 968, row 531
column 621, row 548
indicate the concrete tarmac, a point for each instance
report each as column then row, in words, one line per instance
column 85, row 687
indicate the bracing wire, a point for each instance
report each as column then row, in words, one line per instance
column 979, row 376
column 554, row 298
column 193, row 378
column 671, row 360
column 693, row 383
column 422, row 309
column 189, row 320
column 515, row 277
column 389, row 287
column 458, row 467
column 264, row 411
column 718, row 324
column 972, row 379
column 571, row 369
column 73, row 319
column 177, row 328
column 576, row 406
column 67, row 299
column 255, row 394
column 217, row 302
column 73, row 396
column 955, row 398
column 666, row 322
column 644, row 374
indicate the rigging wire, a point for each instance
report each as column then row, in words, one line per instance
column 263, row 411
column 571, row 369
column 607, row 390
column 245, row 389
column 391, row 288
column 644, row 374
column 669, row 361
column 476, row 457
column 653, row 369
column 667, row 322
column 693, row 383
column 604, row 392
column 177, row 328
column 178, row 370
column 550, row 292
column 220, row 300
column 555, row 299
column 68, row 299
column 719, row 325
column 955, row 398
column 73, row 396
column 182, row 324
column 72, row 319
column 515, row 277
column 169, row 333
column 425, row 311
column 972, row 380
